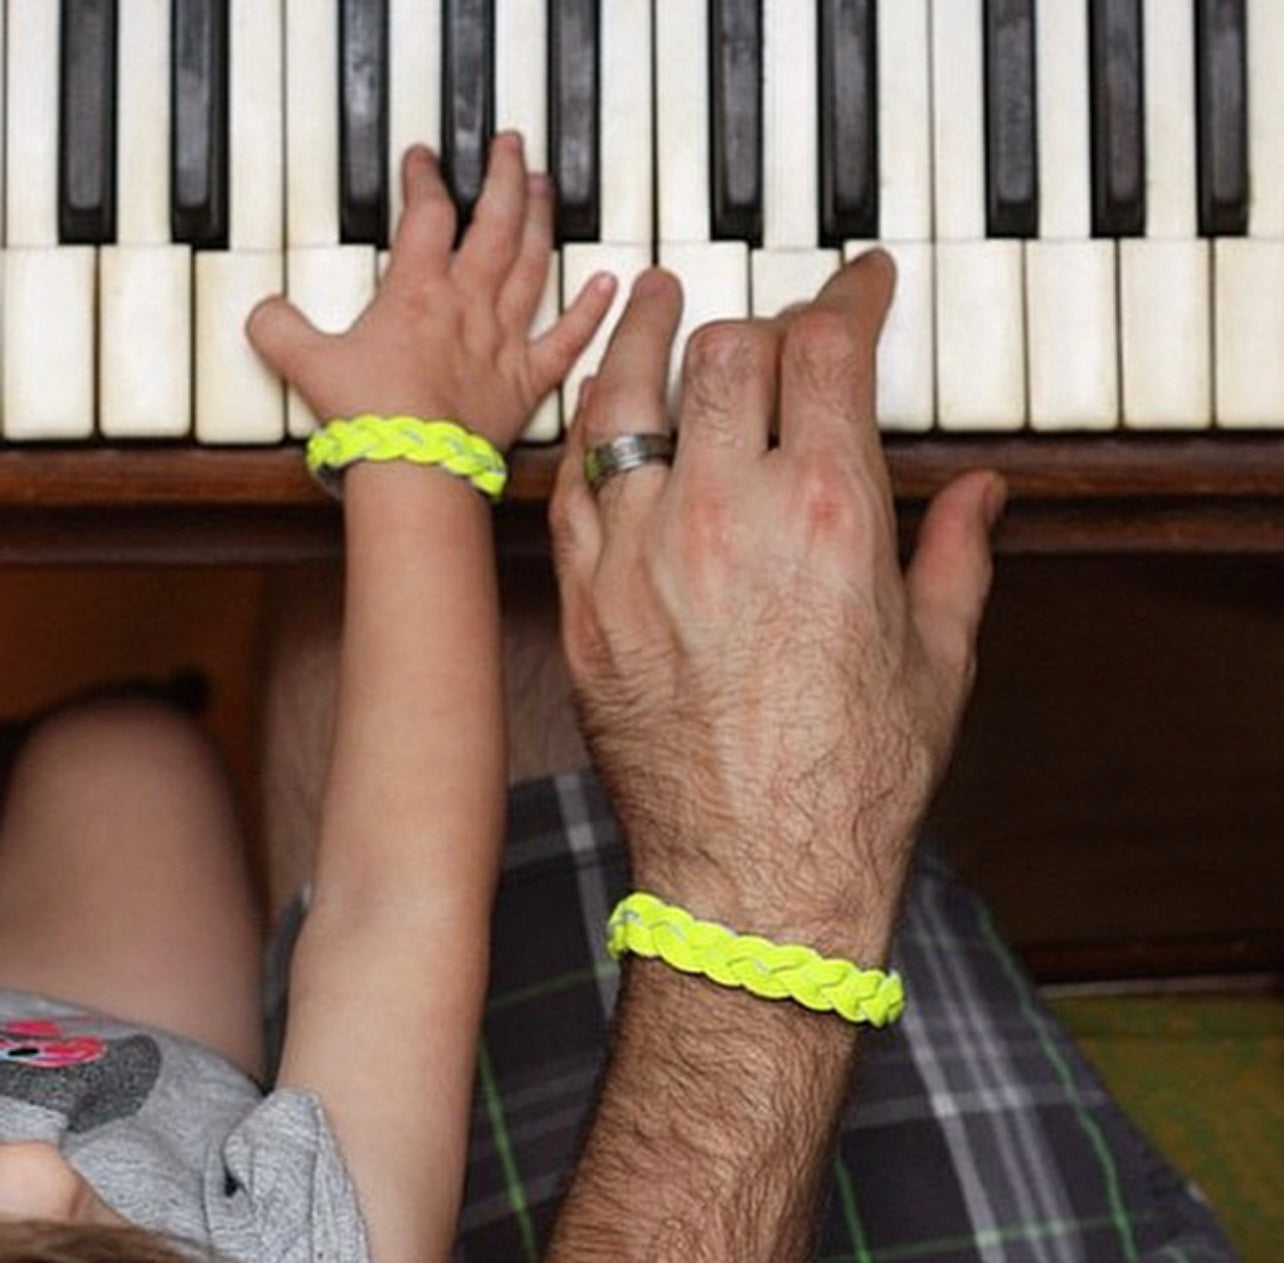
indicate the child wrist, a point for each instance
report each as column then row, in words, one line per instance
column 437, row 442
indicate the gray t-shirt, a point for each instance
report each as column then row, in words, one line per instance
column 175, row 1138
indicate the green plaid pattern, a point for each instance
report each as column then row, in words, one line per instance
column 978, row 1131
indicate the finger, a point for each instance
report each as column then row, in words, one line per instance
column 554, row 352
column 523, row 290
column 827, row 373
column 628, row 395
column 574, row 527
column 728, row 394
column 425, row 235
column 494, row 237
column 948, row 579
column 285, row 338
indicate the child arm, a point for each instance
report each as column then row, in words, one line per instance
column 390, row 969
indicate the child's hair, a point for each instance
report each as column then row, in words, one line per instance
column 46, row 1241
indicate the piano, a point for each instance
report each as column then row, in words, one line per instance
column 1084, row 199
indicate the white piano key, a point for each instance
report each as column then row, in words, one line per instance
column 1169, row 67
column 790, row 168
column 1073, row 348
column 906, row 354
column 1064, row 146
column 521, row 77
column 312, row 123
column 545, row 425
column 238, row 399
column 904, row 121
column 414, row 85
column 143, row 123
column 31, row 153
column 681, row 120
column 332, row 286
column 715, row 286
column 145, row 341
column 256, row 180
column 958, row 120
column 1249, row 333
column 579, row 263
column 1265, row 112
column 49, row 343
column 980, row 335
column 1165, row 325
column 781, row 278
column 625, row 128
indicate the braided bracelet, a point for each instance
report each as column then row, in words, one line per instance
column 343, row 442
column 649, row 927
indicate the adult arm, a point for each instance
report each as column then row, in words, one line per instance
column 771, row 702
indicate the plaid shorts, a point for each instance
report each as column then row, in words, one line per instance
column 978, row 1131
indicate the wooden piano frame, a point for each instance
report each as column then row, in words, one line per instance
column 153, row 504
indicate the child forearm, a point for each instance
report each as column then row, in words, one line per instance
column 414, row 797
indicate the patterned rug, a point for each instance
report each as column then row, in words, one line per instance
column 1204, row 1076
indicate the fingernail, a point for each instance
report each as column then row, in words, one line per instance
column 603, row 282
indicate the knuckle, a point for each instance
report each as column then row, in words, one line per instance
column 824, row 353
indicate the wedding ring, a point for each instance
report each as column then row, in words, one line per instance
column 625, row 452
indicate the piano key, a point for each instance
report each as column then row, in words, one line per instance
column 86, row 123
column 736, row 122
column 1118, row 118
column 363, row 121
column 31, row 151
column 580, row 261
column 905, row 121
column 312, row 86
column 791, row 206
column 574, row 114
column 1012, row 175
column 1165, row 326
column 979, row 299
column 626, row 128
column 1222, row 110
column 332, row 286
column 848, row 120
column 521, row 104
column 682, row 102
column 468, row 98
column 1247, row 287
column 143, row 123
column 1070, row 278
column 906, row 399
column 199, row 145
column 238, row 399
column 715, row 286
column 980, row 347
column 1165, row 282
column 145, row 341
column 781, row 278
column 48, row 342
column 414, row 85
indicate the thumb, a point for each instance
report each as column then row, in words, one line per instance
column 948, row 578
column 283, row 336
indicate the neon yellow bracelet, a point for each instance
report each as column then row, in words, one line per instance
column 343, row 442
column 649, row 927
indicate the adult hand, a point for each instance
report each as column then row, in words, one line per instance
column 770, row 700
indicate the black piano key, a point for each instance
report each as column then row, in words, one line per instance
column 735, row 123
column 87, row 123
column 1221, row 87
column 468, row 98
column 1011, row 142
column 363, row 122
column 1118, row 89
column 574, row 98
column 199, row 139
column 848, row 120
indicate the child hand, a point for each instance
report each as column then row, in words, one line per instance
column 447, row 335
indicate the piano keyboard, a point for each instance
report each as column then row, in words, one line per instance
column 1085, row 200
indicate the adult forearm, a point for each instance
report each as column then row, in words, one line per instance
column 714, row 1134
column 415, row 789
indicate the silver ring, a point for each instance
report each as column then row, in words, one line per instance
column 626, row 452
